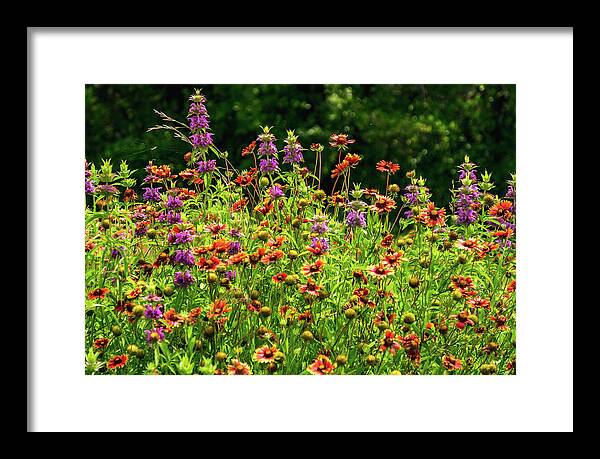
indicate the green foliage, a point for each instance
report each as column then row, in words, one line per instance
column 425, row 127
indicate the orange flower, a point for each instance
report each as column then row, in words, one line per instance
column 238, row 258
column 118, row 361
column 246, row 178
column 432, row 216
column 383, row 204
column 208, row 264
column 172, row 318
column 272, row 257
column 265, row 354
column 220, row 245
column 380, row 271
column 238, row 368
column 469, row 244
column 340, row 140
column 321, row 366
column 352, row 159
column 278, row 278
column 218, row 309
column 277, row 242
column 503, row 210
column 101, row 343
column 315, row 268
column 98, row 293
column 387, row 167
column 338, row 169
column 451, row 363
column 249, row 149
column 239, row 205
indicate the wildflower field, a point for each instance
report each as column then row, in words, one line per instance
column 212, row 270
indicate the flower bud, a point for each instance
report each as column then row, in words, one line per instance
column 138, row 310
column 105, row 223
column 116, row 330
column 341, row 360
column 264, row 182
column 307, row 335
column 208, row 331
column 168, row 290
column 265, row 311
column 488, row 368
column 293, row 254
column 220, row 356
column 212, row 278
column 414, row 282
column 350, row 313
column 254, row 295
column 393, row 188
column 462, row 258
column 371, row 359
column 408, row 318
column 457, row 295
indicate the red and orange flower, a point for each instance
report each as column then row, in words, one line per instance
column 265, row 354
column 321, row 365
column 118, row 361
column 380, row 270
column 238, row 368
column 315, row 268
column 451, row 363
column 387, row 167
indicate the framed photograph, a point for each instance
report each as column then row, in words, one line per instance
column 340, row 229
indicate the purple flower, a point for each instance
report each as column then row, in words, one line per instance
column 267, row 148
column 293, row 154
column 235, row 233
column 466, row 195
column 356, row 218
column 510, row 192
column 268, row 165
column 319, row 227
column 155, row 334
column 320, row 243
column 184, row 257
column 183, row 279
column 202, row 139
column 107, row 189
column 230, row 275
column 153, row 311
column 207, row 166
column 197, row 108
column 118, row 252
column 182, row 237
column 89, row 187
column 198, row 122
column 170, row 217
column 152, row 194
column 153, row 297
column 234, row 247
column 276, row 192
column 174, row 202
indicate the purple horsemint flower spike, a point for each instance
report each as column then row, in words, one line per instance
column 152, row 194
column 356, row 218
column 207, row 166
column 276, row 192
column 153, row 311
column 466, row 197
column 268, row 165
column 183, row 279
column 184, row 257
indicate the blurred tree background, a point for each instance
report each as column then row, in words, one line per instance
column 428, row 128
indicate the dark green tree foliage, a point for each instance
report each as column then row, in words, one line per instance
column 424, row 127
